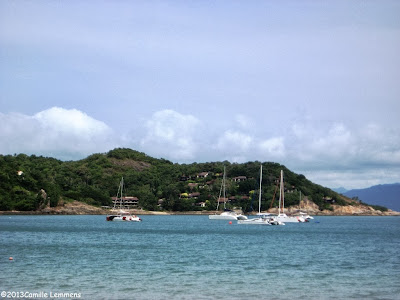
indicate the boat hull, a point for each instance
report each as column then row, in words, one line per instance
column 117, row 218
column 289, row 219
column 222, row 217
column 255, row 221
column 227, row 216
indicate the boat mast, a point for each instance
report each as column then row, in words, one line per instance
column 280, row 198
column 300, row 201
column 259, row 194
column 220, row 190
column 219, row 197
column 122, row 187
column 280, row 193
column 117, row 198
column 223, row 180
column 283, row 193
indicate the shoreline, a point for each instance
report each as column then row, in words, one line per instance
column 189, row 213
column 80, row 208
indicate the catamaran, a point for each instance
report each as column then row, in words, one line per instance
column 263, row 219
column 227, row 214
column 282, row 217
column 122, row 215
column 305, row 215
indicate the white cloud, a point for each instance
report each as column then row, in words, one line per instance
column 170, row 134
column 234, row 142
column 243, row 121
column 313, row 144
column 273, row 148
column 58, row 132
column 341, row 155
column 361, row 177
column 239, row 147
column 70, row 122
column 380, row 144
column 335, row 143
column 332, row 155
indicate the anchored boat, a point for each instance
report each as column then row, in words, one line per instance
column 121, row 215
column 282, row 217
column 263, row 219
column 227, row 214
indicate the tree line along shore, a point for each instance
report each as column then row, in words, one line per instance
column 43, row 185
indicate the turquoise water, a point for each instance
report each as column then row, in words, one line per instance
column 191, row 257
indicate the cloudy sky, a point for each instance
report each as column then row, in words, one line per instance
column 313, row 85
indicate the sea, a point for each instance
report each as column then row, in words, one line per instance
column 192, row 257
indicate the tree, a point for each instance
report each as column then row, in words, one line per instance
column 147, row 199
column 246, row 186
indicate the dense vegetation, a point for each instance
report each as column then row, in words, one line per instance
column 24, row 179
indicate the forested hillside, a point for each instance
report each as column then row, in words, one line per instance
column 31, row 182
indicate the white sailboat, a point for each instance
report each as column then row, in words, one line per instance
column 263, row 219
column 282, row 217
column 305, row 215
column 227, row 214
column 121, row 215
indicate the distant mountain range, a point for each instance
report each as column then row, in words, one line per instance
column 387, row 195
column 340, row 190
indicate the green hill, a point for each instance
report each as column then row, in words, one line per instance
column 30, row 183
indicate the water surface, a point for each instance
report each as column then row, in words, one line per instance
column 191, row 257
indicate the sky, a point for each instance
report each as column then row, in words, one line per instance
column 312, row 85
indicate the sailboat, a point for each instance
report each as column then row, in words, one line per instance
column 305, row 215
column 281, row 212
column 227, row 214
column 121, row 215
column 263, row 219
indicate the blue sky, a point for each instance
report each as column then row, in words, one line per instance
column 313, row 85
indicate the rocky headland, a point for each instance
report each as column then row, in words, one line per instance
column 338, row 210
